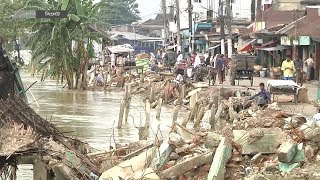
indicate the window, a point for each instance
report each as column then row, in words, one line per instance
column 197, row 1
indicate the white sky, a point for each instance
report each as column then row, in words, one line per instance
column 149, row 8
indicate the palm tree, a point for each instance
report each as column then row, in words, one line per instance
column 53, row 39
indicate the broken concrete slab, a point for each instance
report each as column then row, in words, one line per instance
column 220, row 159
column 187, row 165
column 128, row 168
column 145, row 174
column 212, row 140
column 163, row 155
column 268, row 144
column 287, row 152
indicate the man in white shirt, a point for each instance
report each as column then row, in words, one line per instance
column 197, row 61
column 113, row 59
column 310, row 65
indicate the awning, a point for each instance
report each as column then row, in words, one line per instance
column 218, row 45
column 213, row 47
column 316, row 39
column 278, row 48
column 247, row 47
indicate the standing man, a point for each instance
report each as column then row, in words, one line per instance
column 310, row 65
column 288, row 68
column 113, row 59
column 219, row 65
column 197, row 60
column 180, row 57
column 298, row 64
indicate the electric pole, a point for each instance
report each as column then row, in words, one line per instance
column 190, row 23
column 178, row 25
column 229, row 20
column 165, row 22
column 222, row 22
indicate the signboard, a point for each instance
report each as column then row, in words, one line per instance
column 25, row 14
column 285, row 40
column 304, row 40
column 295, row 42
column 51, row 14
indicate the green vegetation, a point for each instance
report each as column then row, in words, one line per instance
column 118, row 12
column 62, row 48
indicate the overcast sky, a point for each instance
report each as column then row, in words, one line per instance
column 149, row 8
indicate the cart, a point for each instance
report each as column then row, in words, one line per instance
column 287, row 87
column 242, row 68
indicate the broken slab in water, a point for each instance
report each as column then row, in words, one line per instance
column 268, row 144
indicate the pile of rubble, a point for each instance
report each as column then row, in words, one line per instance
column 228, row 143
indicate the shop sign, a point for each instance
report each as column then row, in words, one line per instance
column 285, row 40
column 304, row 40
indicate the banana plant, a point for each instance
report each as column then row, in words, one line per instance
column 52, row 39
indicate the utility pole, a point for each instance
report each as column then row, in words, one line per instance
column 165, row 22
column 190, row 9
column 178, row 25
column 222, row 22
column 228, row 9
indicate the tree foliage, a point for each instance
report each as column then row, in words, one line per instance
column 63, row 47
column 119, row 12
column 9, row 27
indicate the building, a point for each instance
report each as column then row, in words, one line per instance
column 302, row 37
column 134, row 39
column 288, row 5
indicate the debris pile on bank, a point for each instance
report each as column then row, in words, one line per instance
column 229, row 140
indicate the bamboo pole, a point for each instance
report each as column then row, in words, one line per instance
column 35, row 100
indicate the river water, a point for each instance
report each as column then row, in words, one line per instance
column 88, row 115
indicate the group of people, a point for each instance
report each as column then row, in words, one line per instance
column 294, row 68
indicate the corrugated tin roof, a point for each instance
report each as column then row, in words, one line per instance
column 115, row 35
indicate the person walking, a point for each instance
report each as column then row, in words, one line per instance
column 220, row 65
column 298, row 64
column 287, row 68
column 310, row 67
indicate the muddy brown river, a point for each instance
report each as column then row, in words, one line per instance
column 90, row 116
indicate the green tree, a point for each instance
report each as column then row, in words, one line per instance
column 119, row 12
column 10, row 27
column 63, row 47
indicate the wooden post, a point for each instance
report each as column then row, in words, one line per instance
column 186, row 119
column 217, row 116
column 175, row 115
column 193, row 100
column 122, row 104
column 199, row 117
column 159, row 108
column 141, row 78
column 152, row 93
column 213, row 119
column 183, row 91
column 128, row 91
column 127, row 109
column 194, row 110
column 147, row 114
